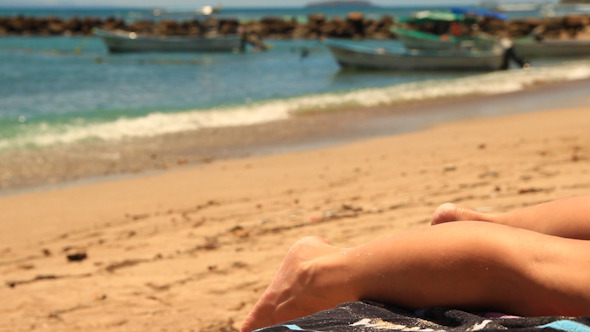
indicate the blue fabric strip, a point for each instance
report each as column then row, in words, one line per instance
column 567, row 325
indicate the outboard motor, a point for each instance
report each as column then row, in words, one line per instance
column 509, row 55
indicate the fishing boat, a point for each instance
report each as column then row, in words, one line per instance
column 348, row 3
column 118, row 41
column 414, row 39
column 454, row 30
column 353, row 55
column 530, row 47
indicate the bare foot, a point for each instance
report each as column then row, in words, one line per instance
column 448, row 212
column 292, row 294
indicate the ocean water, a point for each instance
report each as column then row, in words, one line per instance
column 60, row 90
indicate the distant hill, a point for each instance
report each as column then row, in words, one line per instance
column 340, row 4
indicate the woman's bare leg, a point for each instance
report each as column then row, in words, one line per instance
column 469, row 265
column 568, row 217
column 276, row 304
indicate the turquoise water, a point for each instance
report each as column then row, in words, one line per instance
column 57, row 90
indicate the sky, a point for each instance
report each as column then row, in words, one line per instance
column 201, row 3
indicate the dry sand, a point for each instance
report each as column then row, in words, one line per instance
column 191, row 249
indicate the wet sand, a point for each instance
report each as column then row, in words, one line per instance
column 191, row 243
column 96, row 161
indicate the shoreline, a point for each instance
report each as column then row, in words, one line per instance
column 194, row 247
column 91, row 162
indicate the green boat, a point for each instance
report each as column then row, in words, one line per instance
column 411, row 32
column 419, row 40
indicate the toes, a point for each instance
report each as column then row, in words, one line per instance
column 449, row 212
column 313, row 241
column 312, row 247
column 260, row 316
column 445, row 213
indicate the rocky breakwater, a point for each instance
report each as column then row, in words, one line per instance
column 355, row 26
column 570, row 26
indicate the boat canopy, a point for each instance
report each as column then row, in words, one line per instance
column 479, row 12
column 456, row 14
column 432, row 16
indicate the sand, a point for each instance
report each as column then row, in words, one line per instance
column 90, row 161
column 192, row 248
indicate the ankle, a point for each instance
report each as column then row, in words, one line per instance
column 332, row 278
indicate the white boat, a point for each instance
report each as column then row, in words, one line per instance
column 551, row 48
column 354, row 55
column 118, row 41
column 419, row 40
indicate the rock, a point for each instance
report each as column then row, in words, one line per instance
column 355, row 25
column 77, row 255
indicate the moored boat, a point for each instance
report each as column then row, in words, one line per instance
column 551, row 48
column 414, row 39
column 118, row 41
column 354, row 55
column 442, row 30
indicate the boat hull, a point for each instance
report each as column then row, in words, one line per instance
column 552, row 48
column 123, row 42
column 378, row 58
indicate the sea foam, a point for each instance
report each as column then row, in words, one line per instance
column 44, row 134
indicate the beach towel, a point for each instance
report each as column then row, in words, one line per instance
column 375, row 317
